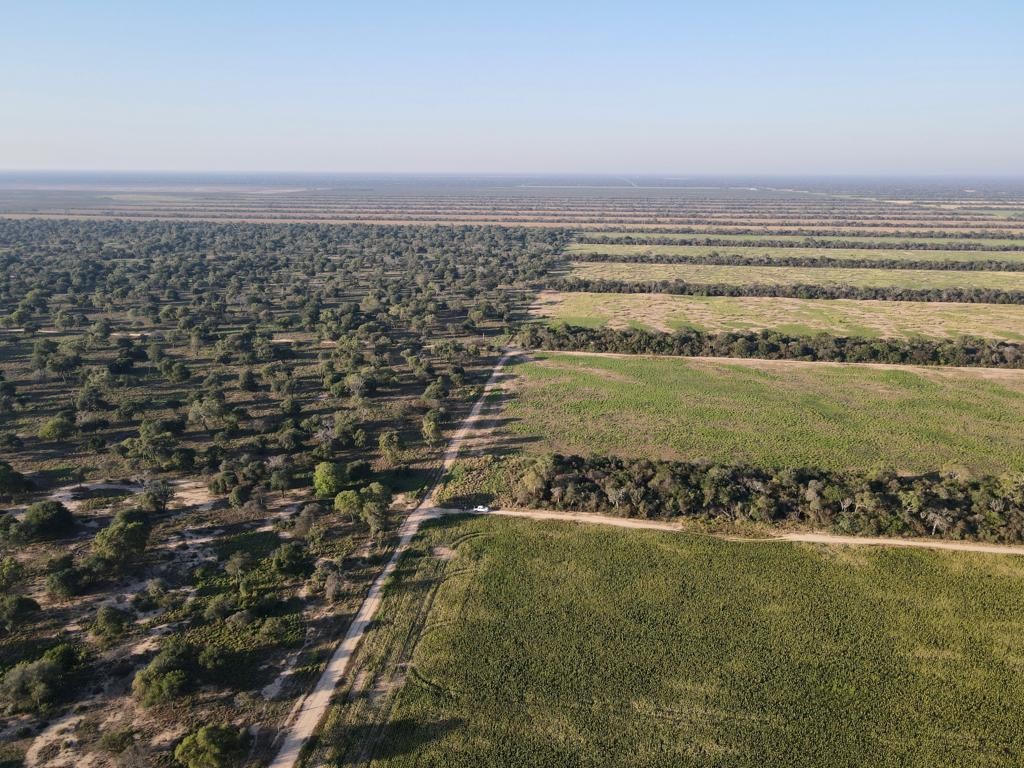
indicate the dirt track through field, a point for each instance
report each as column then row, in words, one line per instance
column 312, row 708
column 792, row 537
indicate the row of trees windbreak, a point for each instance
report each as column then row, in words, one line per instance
column 773, row 345
column 879, row 503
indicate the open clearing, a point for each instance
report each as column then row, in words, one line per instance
column 803, row 317
column 866, row 278
column 558, row 644
column 771, row 413
column 875, row 254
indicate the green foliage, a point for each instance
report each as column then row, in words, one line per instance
column 15, row 609
column 46, row 520
column 369, row 504
column 111, row 622
column 57, row 428
column 11, row 572
column 35, row 686
column 291, row 559
column 120, row 543
column 328, row 478
column 212, row 746
column 12, row 482
column 169, row 676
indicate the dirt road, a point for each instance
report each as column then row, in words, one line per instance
column 790, row 536
column 314, row 706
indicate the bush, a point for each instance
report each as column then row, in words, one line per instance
column 120, row 543
column 46, row 520
column 291, row 559
column 14, row 609
column 57, row 428
column 11, row 481
column 67, row 582
column 11, row 572
column 111, row 622
column 168, row 676
column 35, row 686
column 212, row 746
column 328, row 479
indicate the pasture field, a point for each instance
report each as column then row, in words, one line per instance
column 509, row 643
column 798, row 317
column 771, row 413
column 875, row 254
column 993, row 243
column 859, row 278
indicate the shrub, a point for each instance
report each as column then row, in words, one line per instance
column 46, row 520
column 14, row 609
column 111, row 622
column 291, row 559
column 167, row 677
column 57, row 428
column 34, row 686
column 11, row 481
column 212, row 746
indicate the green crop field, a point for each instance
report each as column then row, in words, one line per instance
column 802, row 317
column 994, row 243
column 875, row 254
column 772, row 413
column 874, row 278
column 519, row 643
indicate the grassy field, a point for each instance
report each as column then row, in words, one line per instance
column 772, row 413
column 994, row 243
column 876, row 254
column 874, row 278
column 515, row 643
column 841, row 317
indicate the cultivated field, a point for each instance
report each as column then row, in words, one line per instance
column 799, row 317
column 868, row 278
column 769, row 413
column 511, row 643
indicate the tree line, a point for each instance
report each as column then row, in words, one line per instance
column 880, row 503
column 952, row 241
column 767, row 344
column 790, row 291
column 767, row 260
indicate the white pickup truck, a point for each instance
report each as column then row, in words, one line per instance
column 481, row 508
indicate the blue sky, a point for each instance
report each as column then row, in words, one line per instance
column 628, row 87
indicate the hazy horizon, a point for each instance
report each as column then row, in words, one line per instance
column 797, row 88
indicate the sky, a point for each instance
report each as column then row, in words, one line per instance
column 825, row 87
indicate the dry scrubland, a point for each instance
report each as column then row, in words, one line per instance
column 799, row 317
column 873, row 278
column 770, row 413
column 512, row 643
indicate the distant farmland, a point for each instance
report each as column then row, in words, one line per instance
column 800, row 317
column 559, row 644
column 777, row 414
